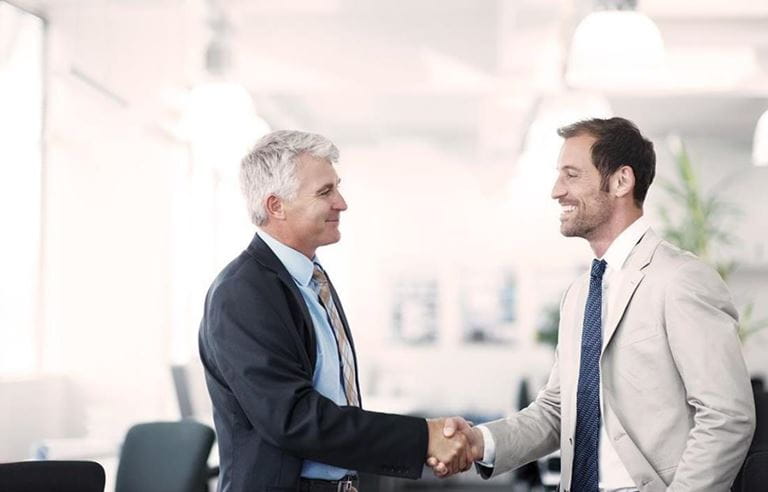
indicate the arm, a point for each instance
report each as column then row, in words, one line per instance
column 701, row 324
column 253, row 341
column 530, row 433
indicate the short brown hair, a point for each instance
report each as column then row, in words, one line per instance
column 619, row 143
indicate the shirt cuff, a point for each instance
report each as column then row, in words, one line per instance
column 489, row 445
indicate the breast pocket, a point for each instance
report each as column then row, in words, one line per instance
column 629, row 335
column 639, row 357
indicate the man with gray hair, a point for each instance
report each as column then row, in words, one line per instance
column 279, row 359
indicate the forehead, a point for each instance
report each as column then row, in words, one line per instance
column 576, row 152
column 314, row 171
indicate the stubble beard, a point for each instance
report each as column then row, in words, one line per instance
column 586, row 224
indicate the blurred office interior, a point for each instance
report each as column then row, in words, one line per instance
column 122, row 123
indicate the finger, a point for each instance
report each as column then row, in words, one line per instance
column 463, row 462
column 469, row 458
column 440, row 470
column 432, row 462
column 449, row 427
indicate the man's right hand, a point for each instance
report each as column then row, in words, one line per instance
column 456, row 428
column 452, row 453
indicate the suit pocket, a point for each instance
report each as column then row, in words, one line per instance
column 637, row 335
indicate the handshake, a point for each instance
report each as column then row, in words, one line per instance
column 454, row 444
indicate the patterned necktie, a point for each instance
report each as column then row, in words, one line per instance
column 585, row 458
column 346, row 357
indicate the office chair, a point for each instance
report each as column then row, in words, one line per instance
column 165, row 457
column 753, row 476
column 52, row 476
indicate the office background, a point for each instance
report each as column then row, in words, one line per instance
column 122, row 125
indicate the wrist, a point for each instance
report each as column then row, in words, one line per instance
column 434, row 428
column 478, row 447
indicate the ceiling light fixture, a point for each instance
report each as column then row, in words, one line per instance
column 219, row 120
column 615, row 47
column 760, row 143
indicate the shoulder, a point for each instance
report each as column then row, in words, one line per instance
column 685, row 274
column 244, row 277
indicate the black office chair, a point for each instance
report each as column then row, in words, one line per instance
column 165, row 457
column 753, row 476
column 52, row 476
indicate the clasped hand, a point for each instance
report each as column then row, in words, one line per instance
column 453, row 446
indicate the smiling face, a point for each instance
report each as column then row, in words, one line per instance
column 586, row 207
column 311, row 219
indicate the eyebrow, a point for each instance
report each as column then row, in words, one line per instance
column 328, row 186
column 568, row 167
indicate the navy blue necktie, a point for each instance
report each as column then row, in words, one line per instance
column 585, row 458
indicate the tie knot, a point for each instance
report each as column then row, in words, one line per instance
column 318, row 275
column 598, row 268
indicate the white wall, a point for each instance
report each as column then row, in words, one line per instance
column 107, row 238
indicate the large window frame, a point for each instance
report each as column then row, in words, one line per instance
column 23, row 84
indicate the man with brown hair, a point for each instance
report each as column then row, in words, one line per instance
column 649, row 390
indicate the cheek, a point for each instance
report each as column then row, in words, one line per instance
column 318, row 215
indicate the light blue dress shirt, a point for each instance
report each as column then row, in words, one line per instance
column 327, row 377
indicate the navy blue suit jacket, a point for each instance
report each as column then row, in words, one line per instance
column 257, row 344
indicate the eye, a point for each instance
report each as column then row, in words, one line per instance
column 325, row 192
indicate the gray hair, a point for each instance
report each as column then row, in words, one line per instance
column 270, row 167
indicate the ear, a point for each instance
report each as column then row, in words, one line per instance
column 275, row 208
column 622, row 182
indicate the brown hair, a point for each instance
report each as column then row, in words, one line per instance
column 619, row 143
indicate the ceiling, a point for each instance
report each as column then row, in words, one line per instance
column 468, row 72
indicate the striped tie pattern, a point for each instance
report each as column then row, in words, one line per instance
column 346, row 356
column 586, row 472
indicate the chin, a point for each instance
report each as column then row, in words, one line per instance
column 332, row 238
column 571, row 231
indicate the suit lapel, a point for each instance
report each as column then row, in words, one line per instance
column 259, row 250
column 626, row 289
column 638, row 259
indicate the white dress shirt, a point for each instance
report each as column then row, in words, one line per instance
column 613, row 474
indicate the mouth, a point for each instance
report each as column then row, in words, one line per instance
column 566, row 211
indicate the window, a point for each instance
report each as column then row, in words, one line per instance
column 21, row 125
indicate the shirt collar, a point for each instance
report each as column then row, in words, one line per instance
column 299, row 266
column 620, row 248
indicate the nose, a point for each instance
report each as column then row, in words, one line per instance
column 340, row 204
column 558, row 190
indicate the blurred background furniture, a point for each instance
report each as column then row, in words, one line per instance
column 165, row 457
column 52, row 476
column 753, row 476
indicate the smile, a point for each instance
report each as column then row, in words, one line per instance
column 566, row 211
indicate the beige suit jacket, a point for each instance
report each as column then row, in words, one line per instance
column 678, row 405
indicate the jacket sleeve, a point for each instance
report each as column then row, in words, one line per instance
column 257, row 348
column 701, row 324
column 530, row 433
column 533, row 432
